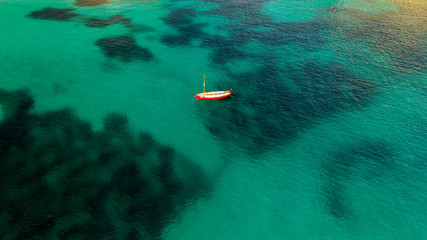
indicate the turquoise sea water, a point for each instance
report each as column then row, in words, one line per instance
column 101, row 136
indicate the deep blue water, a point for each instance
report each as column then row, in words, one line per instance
column 101, row 136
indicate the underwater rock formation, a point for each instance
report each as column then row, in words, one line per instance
column 182, row 19
column 94, row 3
column 123, row 47
column 256, row 122
column 403, row 38
column 319, row 90
column 100, row 23
column 61, row 178
column 181, row 16
column 90, row 3
column 67, row 14
column 248, row 17
column 370, row 161
column 56, row 14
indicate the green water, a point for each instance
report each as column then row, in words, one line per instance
column 325, row 137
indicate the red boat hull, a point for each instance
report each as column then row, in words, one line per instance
column 213, row 95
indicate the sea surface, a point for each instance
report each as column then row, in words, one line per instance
column 324, row 137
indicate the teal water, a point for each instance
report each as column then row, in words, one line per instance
column 101, row 136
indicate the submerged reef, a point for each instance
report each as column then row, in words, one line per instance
column 67, row 14
column 256, row 121
column 90, row 3
column 94, row 3
column 100, row 23
column 182, row 20
column 64, row 14
column 370, row 161
column 247, row 19
column 61, row 178
column 400, row 33
column 276, row 101
column 124, row 47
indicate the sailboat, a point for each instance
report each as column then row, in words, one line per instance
column 212, row 95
